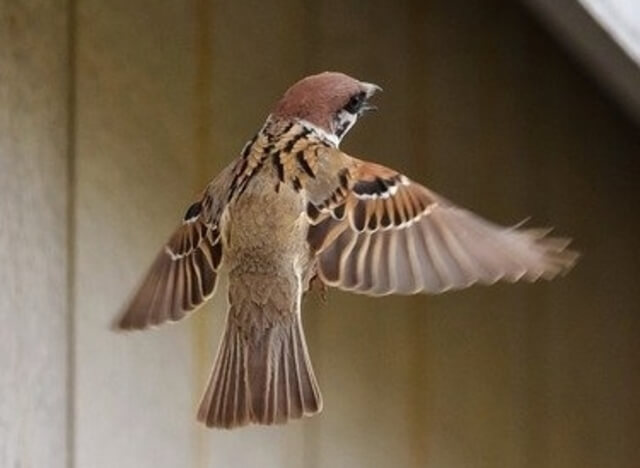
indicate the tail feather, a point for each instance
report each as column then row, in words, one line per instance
column 262, row 378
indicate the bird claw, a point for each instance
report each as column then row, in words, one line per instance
column 317, row 286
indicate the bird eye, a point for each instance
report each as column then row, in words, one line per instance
column 355, row 103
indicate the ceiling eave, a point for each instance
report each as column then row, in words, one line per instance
column 602, row 53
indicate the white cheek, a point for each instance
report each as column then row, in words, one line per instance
column 343, row 123
column 340, row 126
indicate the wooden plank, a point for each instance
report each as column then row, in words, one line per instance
column 136, row 393
column 34, row 188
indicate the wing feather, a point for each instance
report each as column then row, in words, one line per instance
column 182, row 277
column 392, row 235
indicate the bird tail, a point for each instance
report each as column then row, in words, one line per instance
column 260, row 377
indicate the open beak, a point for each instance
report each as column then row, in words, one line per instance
column 370, row 89
column 366, row 107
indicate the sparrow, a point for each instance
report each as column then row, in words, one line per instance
column 294, row 209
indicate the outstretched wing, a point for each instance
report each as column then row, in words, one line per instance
column 184, row 273
column 380, row 233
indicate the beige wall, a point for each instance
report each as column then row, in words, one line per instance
column 34, row 221
column 479, row 103
column 135, row 164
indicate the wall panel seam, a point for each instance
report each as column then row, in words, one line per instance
column 71, row 226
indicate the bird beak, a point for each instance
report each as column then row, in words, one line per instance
column 366, row 107
column 370, row 89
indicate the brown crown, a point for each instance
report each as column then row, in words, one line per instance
column 317, row 98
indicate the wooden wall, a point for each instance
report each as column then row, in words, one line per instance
column 34, row 226
column 479, row 103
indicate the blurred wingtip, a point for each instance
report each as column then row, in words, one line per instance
column 120, row 324
column 561, row 258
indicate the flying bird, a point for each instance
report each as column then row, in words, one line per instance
column 292, row 210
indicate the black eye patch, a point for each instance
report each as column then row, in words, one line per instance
column 355, row 103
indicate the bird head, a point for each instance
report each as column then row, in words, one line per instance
column 329, row 101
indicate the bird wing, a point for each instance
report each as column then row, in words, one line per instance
column 184, row 273
column 377, row 232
